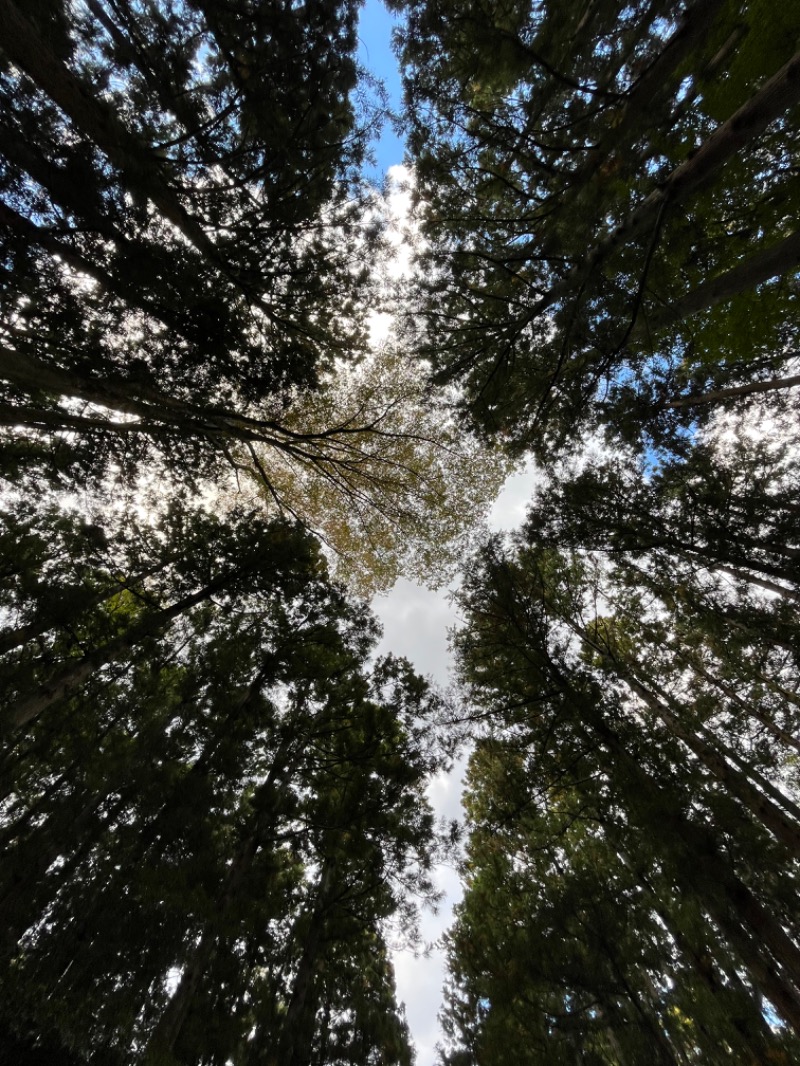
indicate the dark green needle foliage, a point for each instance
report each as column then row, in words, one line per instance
column 607, row 196
column 181, row 217
column 632, row 870
column 609, row 199
column 204, row 843
column 213, row 816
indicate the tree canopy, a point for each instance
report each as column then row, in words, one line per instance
column 214, row 811
column 602, row 188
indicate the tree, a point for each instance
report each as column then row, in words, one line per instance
column 182, row 292
column 586, row 184
column 140, row 152
column 391, row 483
column 199, row 846
column 603, row 781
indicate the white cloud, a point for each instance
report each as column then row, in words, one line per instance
column 415, row 624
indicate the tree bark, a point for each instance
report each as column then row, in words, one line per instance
column 780, row 93
column 46, row 623
column 113, row 284
column 696, row 22
column 733, row 392
column 700, row 867
column 769, row 263
column 763, row 809
column 26, row 48
column 750, row 711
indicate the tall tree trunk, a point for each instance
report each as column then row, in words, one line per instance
column 734, row 391
column 767, row 263
column 755, row 799
column 63, row 683
column 140, row 167
column 766, row 977
column 781, row 92
column 113, row 283
column 747, row 708
column 199, row 958
column 752, row 1026
column 298, row 1030
column 22, row 895
column 702, row 870
column 45, row 622
column 763, row 583
column 761, row 807
column 695, row 23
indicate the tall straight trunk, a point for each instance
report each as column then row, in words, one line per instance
column 644, row 1017
column 752, row 1026
column 113, row 283
column 176, row 103
column 764, row 974
column 734, row 391
column 141, row 168
column 75, row 198
column 748, row 570
column 162, row 415
column 763, row 583
column 764, row 809
column 298, row 1029
column 700, row 868
column 767, row 263
column 747, row 708
column 717, row 754
column 45, row 623
column 695, row 23
column 64, row 682
column 201, row 955
column 23, row 894
column 781, row 92
column 685, row 545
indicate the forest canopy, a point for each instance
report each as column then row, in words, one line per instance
column 214, row 806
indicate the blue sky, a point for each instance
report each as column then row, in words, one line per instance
column 375, row 53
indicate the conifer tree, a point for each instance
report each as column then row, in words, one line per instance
column 606, row 203
column 199, row 844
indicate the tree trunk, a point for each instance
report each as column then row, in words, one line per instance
column 113, row 284
column 780, row 93
column 696, row 22
column 701, row 869
column 752, row 1026
column 751, row 579
column 765, row 976
column 756, row 801
column 169, row 1026
column 750, row 711
column 768, row 263
column 734, row 391
column 21, row 896
column 760, row 806
column 42, row 624
column 65, row 682
column 28, row 50
column 298, row 1030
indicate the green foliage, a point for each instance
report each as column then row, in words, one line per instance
column 173, row 818
column 575, row 206
column 614, row 833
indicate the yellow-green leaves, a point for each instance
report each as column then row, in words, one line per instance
column 378, row 467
